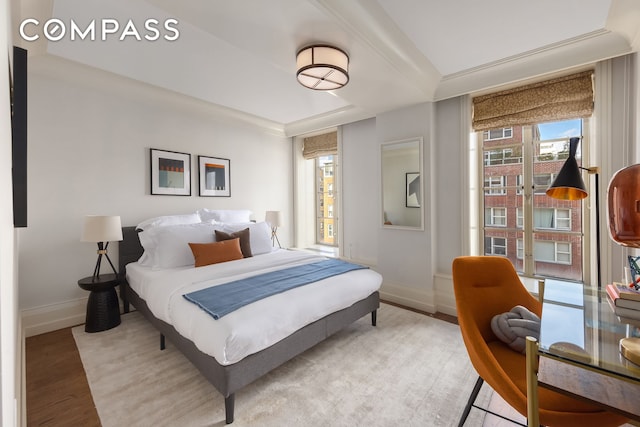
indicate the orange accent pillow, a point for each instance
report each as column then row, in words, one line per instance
column 216, row 252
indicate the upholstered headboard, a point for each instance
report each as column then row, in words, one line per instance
column 129, row 249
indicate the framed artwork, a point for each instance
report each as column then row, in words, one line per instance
column 170, row 173
column 215, row 177
column 413, row 189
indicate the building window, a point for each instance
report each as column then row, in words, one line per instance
column 546, row 218
column 548, row 251
column 495, row 246
column 495, row 217
column 502, row 156
column 502, row 133
column 494, row 185
column 541, row 182
column 552, row 219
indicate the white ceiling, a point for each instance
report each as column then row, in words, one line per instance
column 240, row 54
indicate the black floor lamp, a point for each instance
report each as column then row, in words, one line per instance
column 569, row 185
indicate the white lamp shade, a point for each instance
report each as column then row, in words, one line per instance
column 101, row 228
column 274, row 218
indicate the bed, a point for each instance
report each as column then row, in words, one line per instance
column 229, row 369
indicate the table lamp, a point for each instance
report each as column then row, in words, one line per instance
column 102, row 230
column 274, row 219
column 623, row 206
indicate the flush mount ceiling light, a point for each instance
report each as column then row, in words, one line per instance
column 322, row 67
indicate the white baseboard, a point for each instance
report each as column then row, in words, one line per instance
column 445, row 297
column 409, row 297
column 40, row 320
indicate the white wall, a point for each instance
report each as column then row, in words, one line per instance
column 403, row 257
column 360, row 191
column 89, row 139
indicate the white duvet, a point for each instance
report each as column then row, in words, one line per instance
column 258, row 325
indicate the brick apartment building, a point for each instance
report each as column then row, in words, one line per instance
column 557, row 224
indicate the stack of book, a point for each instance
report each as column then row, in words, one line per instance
column 624, row 301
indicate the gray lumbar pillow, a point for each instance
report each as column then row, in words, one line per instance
column 513, row 327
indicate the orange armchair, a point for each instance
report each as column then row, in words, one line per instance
column 488, row 285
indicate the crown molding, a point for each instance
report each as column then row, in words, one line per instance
column 331, row 119
column 569, row 54
column 624, row 19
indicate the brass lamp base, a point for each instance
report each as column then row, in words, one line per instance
column 630, row 349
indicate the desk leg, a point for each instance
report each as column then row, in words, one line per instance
column 533, row 419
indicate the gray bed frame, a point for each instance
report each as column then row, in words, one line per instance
column 228, row 379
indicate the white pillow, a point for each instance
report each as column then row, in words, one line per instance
column 168, row 246
column 225, row 215
column 162, row 221
column 259, row 235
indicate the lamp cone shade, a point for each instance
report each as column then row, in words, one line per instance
column 569, row 185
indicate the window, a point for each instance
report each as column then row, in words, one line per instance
column 496, row 217
column 554, row 219
column 316, row 201
column 549, row 252
column 541, row 182
column 494, row 185
column 325, row 200
column 495, row 246
column 328, row 169
column 500, row 157
column 546, row 218
column 547, row 234
column 551, row 112
column 501, row 133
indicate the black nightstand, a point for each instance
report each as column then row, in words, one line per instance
column 103, row 310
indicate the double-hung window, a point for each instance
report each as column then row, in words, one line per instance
column 523, row 139
column 542, row 236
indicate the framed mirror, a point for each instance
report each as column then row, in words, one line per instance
column 402, row 184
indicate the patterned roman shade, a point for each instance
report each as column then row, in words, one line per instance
column 320, row 145
column 561, row 98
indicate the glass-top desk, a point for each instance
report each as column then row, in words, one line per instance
column 579, row 350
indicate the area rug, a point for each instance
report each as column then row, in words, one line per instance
column 410, row 370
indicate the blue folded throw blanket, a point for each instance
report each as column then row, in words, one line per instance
column 223, row 299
